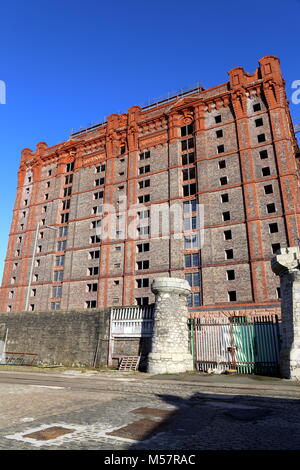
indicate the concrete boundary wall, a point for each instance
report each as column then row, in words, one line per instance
column 68, row 338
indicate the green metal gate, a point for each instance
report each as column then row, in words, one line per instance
column 250, row 345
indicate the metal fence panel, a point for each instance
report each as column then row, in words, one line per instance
column 132, row 321
column 250, row 345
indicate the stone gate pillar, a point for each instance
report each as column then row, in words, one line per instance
column 170, row 351
column 286, row 264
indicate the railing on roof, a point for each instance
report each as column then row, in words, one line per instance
column 88, row 129
column 150, row 105
column 172, row 96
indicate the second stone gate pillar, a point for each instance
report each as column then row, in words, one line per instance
column 170, row 351
column 286, row 264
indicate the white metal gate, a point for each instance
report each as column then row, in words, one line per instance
column 129, row 322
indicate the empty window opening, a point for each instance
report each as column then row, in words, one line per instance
column 261, row 138
column 223, row 180
column 263, row 154
column 266, row 171
column 189, row 189
column 271, row 208
column 143, row 199
column 268, row 189
column 143, row 264
column 142, row 301
column 142, row 283
column 187, row 144
column 226, row 216
column 93, row 287
column 227, row 235
column 187, row 130
column 144, row 184
column 273, row 228
column 69, row 167
column 275, row 248
column 278, row 293
column 142, row 247
column 224, row 198
column 230, row 275
column 229, row 254
column 189, row 174
column 144, row 155
column 232, row 296
column 188, row 158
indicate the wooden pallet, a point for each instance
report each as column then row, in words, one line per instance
column 129, row 363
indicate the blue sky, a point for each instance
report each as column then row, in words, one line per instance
column 70, row 63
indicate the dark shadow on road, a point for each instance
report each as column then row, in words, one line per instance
column 217, row 422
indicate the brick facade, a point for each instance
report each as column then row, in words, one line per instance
column 232, row 147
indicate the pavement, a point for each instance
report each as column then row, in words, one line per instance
column 50, row 409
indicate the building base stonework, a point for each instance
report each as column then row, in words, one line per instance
column 287, row 265
column 170, row 351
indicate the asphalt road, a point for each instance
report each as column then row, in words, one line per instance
column 128, row 412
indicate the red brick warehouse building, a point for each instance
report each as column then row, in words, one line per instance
column 231, row 148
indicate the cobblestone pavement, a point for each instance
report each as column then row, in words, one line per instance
column 202, row 416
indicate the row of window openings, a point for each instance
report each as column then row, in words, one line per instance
column 61, row 246
column 67, row 191
column 194, row 300
column 232, row 295
column 58, row 276
column 265, row 171
column 140, row 283
column 192, row 260
column 191, row 242
column 139, row 301
column 140, row 265
column 94, row 239
column 142, row 170
column 187, row 159
column 140, row 248
column 263, row 155
column 260, row 138
column 268, row 189
column 256, row 107
column 270, row 208
column 99, row 209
